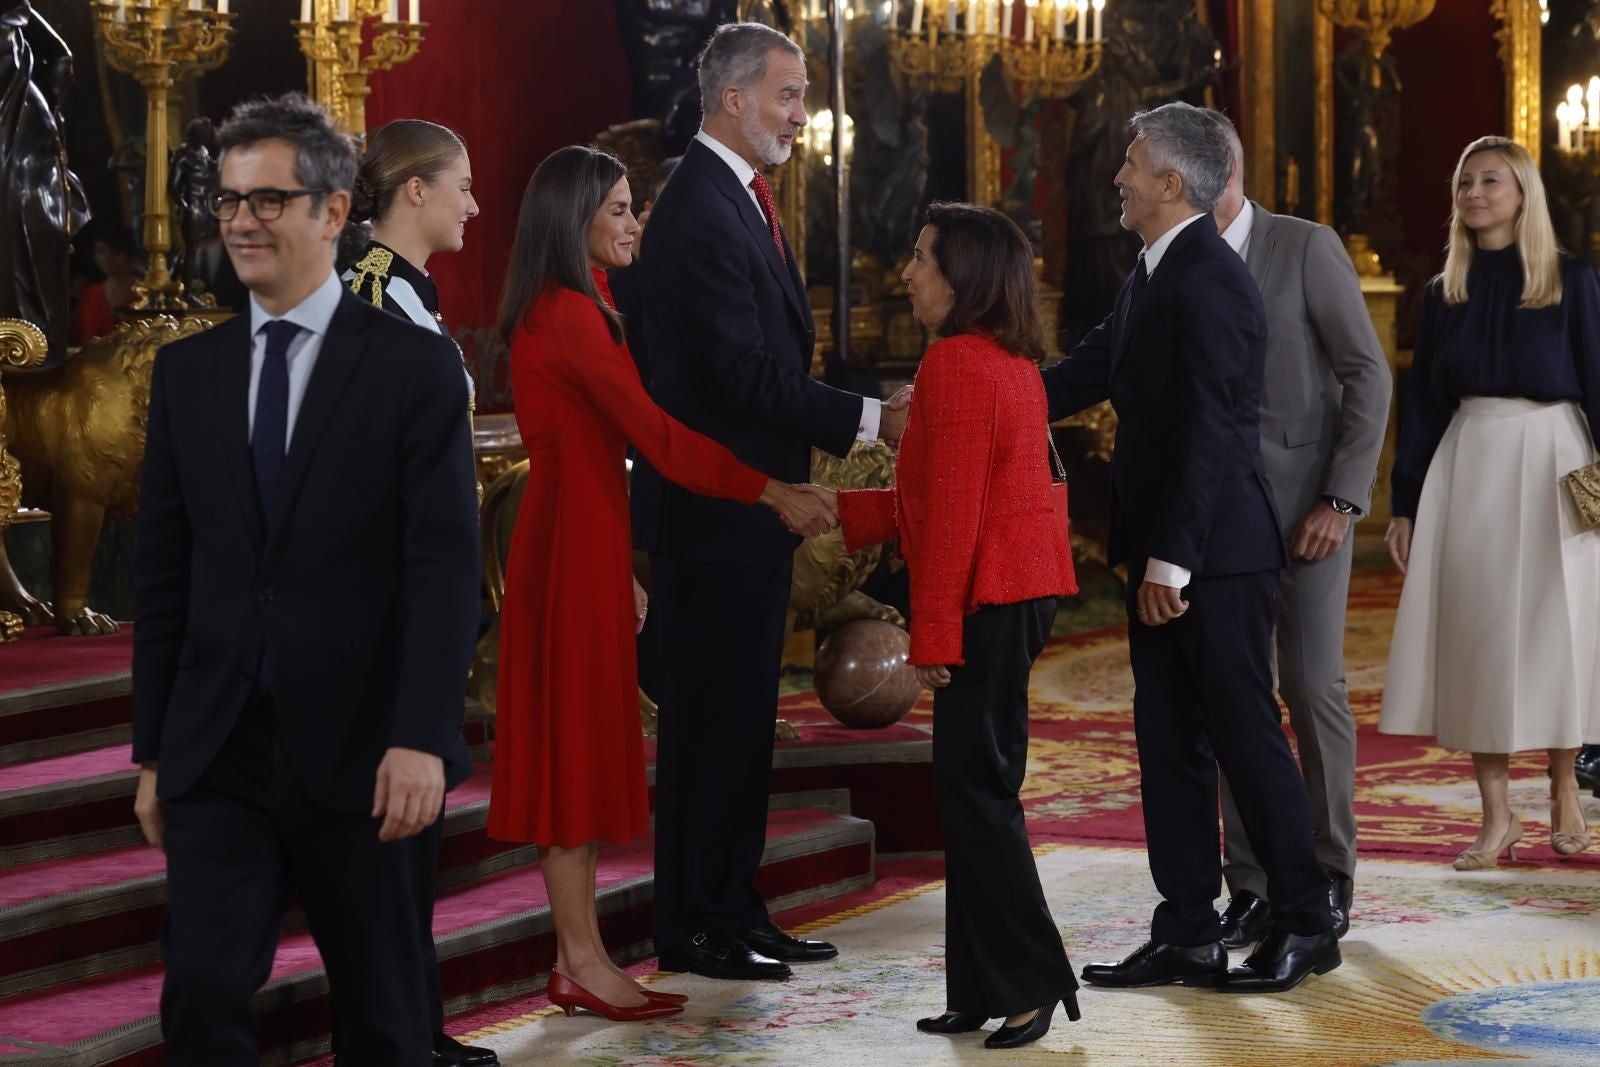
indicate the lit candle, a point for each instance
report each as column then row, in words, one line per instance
column 973, row 25
column 916, row 16
column 305, row 10
column 1099, row 12
column 416, row 11
column 122, row 11
column 194, row 5
column 1008, row 21
column 1594, row 102
column 1061, row 20
column 343, row 14
column 1081, row 16
column 1027, row 22
column 1563, row 128
column 991, row 12
column 950, row 11
column 894, row 9
column 222, row 7
column 393, row 14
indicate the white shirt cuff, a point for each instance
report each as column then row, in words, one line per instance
column 871, row 418
column 1160, row 572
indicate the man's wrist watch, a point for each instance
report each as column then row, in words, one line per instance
column 1341, row 505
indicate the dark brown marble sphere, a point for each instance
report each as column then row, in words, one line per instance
column 862, row 676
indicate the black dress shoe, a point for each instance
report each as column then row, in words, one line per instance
column 1283, row 961
column 774, row 944
column 1161, row 965
column 1034, row 1028
column 953, row 1022
column 1341, row 894
column 714, row 954
column 1587, row 767
column 1246, row 921
column 447, row 1050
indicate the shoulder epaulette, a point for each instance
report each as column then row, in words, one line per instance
column 374, row 268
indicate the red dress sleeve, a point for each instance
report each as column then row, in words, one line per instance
column 601, row 374
column 955, row 416
column 867, row 517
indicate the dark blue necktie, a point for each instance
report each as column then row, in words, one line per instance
column 269, row 439
column 1141, row 278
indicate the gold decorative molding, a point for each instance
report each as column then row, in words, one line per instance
column 1260, row 60
column 1519, row 37
column 1322, row 46
column 22, row 344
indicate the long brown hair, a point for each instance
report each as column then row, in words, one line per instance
column 552, row 241
column 400, row 151
column 989, row 265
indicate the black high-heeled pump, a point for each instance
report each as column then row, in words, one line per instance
column 952, row 1022
column 1034, row 1028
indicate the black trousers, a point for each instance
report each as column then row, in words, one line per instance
column 721, row 633
column 1003, row 953
column 237, row 843
column 1204, row 699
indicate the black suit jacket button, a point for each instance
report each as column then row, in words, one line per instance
column 264, row 597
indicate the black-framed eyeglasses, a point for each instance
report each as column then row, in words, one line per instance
column 265, row 204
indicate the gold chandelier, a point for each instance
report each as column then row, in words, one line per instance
column 1377, row 19
column 946, row 43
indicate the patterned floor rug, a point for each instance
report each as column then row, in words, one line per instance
column 1440, row 968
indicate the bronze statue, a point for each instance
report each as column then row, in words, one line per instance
column 662, row 39
column 1011, row 124
column 889, row 165
column 1156, row 51
column 44, row 203
column 193, row 176
column 1369, row 86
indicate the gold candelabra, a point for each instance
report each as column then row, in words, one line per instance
column 159, row 42
column 946, row 43
column 332, row 37
column 1376, row 19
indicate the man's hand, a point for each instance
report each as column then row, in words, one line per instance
column 410, row 792
column 935, row 676
column 1320, row 533
column 815, row 511
column 1159, row 604
column 150, row 808
column 1398, row 539
column 896, row 410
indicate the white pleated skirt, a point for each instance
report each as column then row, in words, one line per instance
column 1497, row 641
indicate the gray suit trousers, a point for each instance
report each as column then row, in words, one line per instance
column 1310, row 640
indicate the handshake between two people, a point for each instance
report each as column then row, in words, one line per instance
column 808, row 510
column 813, row 510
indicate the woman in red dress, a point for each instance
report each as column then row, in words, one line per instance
column 569, row 751
column 988, row 556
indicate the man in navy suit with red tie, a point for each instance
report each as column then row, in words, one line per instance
column 730, row 335
column 1181, row 358
column 307, row 580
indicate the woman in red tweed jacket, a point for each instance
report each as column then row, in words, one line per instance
column 988, row 557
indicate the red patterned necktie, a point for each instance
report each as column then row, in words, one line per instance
column 763, row 189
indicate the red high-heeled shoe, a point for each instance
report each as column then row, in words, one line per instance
column 570, row 997
column 664, row 997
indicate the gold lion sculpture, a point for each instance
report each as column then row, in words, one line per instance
column 78, row 433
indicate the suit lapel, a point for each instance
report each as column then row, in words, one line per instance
column 722, row 176
column 1127, row 321
column 341, row 352
column 233, row 392
column 1263, row 238
column 1134, row 317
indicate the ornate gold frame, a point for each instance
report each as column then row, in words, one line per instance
column 1520, row 49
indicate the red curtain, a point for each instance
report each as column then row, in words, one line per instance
column 516, row 79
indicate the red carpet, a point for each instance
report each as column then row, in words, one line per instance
column 40, row 660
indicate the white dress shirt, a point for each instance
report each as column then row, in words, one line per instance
column 871, row 410
column 1158, row 571
column 1238, row 232
column 312, row 315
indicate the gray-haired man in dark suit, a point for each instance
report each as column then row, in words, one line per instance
column 1324, row 408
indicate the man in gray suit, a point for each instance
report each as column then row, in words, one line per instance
column 1324, row 409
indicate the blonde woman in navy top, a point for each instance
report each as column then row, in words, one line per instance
column 1497, row 641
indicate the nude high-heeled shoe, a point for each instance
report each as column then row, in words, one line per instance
column 1484, row 859
column 1567, row 842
